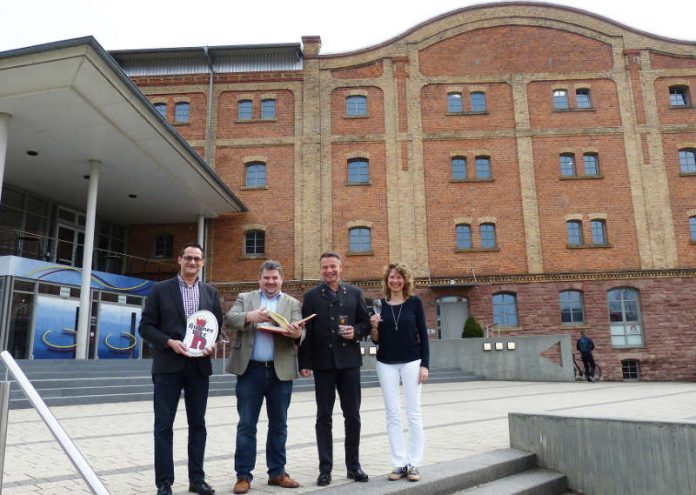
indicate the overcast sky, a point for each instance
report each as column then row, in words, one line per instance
column 343, row 26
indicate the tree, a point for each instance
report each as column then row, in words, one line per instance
column 472, row 328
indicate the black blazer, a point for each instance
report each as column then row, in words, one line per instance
column 164, row 318
column 323, row 348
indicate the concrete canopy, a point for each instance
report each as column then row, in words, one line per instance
column 70, row 102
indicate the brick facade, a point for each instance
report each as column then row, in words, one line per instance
column 517, row 55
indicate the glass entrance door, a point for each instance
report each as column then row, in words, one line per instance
column 71, row 243
column 56, row 327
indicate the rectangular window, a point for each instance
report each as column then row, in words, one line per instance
column 567, row 165
column 687, row 161
column 483, row 167
column 163, row 246
column 487, row 232
column 358, row 171
column 582, row 98
column 574, row 233
column 591, row 163
column 463, row 233
column 599, row 233
column 692, row 228
column 181, row 112
column 560, row 99
column 245, row 110
column 678, row 96
column 454, row 103
column 572, row 311
column 162, row 109
column 458, row 168
column 268, row 109
column 505, row 310
column 478, row 102
column 255, row 175
column 255, row 242
column 356, row 106
column 359, row 240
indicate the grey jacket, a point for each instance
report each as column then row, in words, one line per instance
column 285, row 348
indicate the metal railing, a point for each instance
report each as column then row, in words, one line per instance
column 35, row 246
column 47, row 416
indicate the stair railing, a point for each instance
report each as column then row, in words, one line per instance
column 47, row 416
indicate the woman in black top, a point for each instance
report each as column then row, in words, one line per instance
column 402, row 356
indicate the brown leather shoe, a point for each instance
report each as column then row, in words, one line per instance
column 242, row 485
column 284, row 480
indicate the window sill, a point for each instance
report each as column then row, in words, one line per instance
column 254, row 121
column 450, row 114
column 500, row 328
column 567, row 110
column 355, row 116
column 253, row 188
column 472, row 180
column 589, row 246
column 692, row 242
column 680, row 107
column 368, row 183
column 581, row 177
column 253, row 256
column 177, row 124
column 477, row 250
column 360, row 253
column 687, row 174
column 573, row 326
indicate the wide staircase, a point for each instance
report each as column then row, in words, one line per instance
column 68, row 382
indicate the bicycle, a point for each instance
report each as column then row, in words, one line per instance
column 580, row 371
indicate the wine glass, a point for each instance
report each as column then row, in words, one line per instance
column 377, row 306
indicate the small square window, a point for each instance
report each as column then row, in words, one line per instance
column 255, row 174
column 255, row 242
column 181, row 112
column 164, row 246
column 162, row 109
column 687, row 161
column 478, row 102
column 630, row 368
column 358, row 171
column 679, row 96
column 356, row 106
column 359, row 240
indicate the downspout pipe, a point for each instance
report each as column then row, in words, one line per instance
column 209, row 122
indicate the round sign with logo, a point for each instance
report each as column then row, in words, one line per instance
column 201, row 332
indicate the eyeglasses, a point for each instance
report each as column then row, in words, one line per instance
column 196, row 259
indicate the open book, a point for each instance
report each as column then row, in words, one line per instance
column 281, row 323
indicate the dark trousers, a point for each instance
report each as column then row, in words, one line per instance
column 589, row 364
column 168, row 387
column 347, row 382
column 259, row 382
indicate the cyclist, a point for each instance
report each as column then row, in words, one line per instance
column 585, row 347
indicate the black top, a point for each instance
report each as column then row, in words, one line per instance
column 410, row 341
column 322, row 347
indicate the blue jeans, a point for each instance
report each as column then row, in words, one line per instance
column 168, row 388
column 259, row 382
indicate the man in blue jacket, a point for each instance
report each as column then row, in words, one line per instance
column 585, row 347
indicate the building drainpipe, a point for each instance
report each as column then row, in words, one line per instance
column 82, row 338
column 211, row 73
column 4, row 138
column 201, row 240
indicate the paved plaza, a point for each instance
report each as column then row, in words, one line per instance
column 461, row 419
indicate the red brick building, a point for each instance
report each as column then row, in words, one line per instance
column 535, row 165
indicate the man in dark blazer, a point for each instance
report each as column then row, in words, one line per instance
column 163, row 325
column 334, row 357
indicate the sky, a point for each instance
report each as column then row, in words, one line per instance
column 343, row 26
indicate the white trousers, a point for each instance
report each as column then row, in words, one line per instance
column 389, row 377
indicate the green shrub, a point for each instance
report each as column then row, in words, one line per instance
column 472, row 328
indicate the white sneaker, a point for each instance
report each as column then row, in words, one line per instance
column 413, row 473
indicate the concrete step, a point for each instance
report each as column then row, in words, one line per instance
column 531, row 482
column 101, row 381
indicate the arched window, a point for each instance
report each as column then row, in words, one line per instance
column 567, row 165
column 624, row 317
column 162, row 109
column 505, row 309
column 687, row 161
column 483, row 167
column 255, row 242
column 560, row 99
column 572, row 310
column 574, row 232
column 679, row 96
column 463, row 233
column 245, row 110
column 458, row 168
column 591, row 164
column 358, row 171
column 359, row 240
column 356, row 106
column 181, row 112
column 268, row 108
column 454, row 103
column 582, row 98
column 478, row 101
column 599, row 232
column 487, row 231
column 255, row 174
